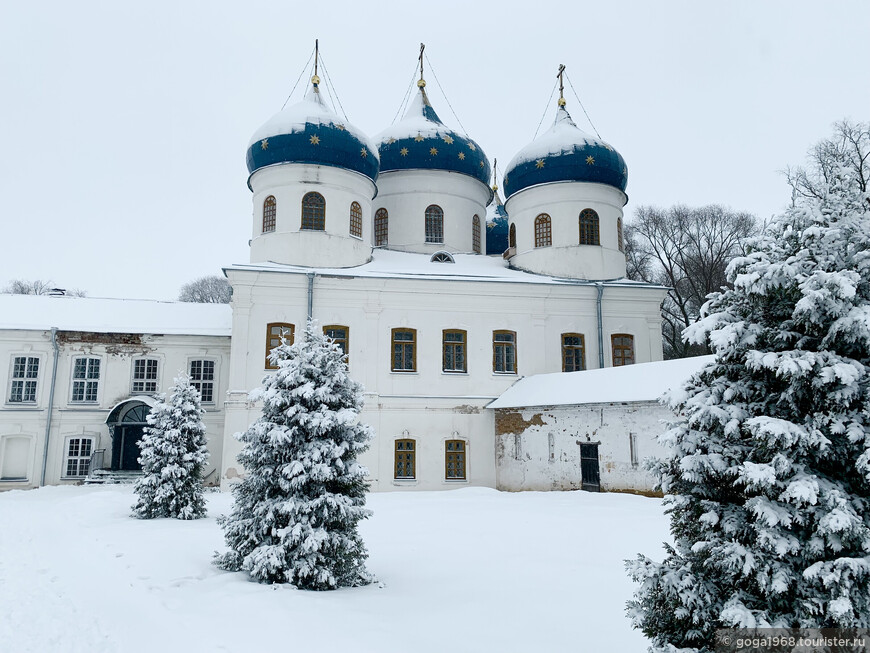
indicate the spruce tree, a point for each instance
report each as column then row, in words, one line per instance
column 768, row 480
column 295, row 514
column 173, row 457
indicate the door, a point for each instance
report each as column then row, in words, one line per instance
column 589, row 467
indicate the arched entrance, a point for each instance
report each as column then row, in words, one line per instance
column 127, row 422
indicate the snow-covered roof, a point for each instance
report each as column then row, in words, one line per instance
column 40, row 312
column 405, row 265
column 641, row 382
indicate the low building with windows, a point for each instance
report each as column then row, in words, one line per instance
column 382, row 242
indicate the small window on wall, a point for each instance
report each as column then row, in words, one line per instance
column 355, row 220
column 85, row 381
column 25, row 374
column 382, row 228
column 454, row 460
column 453, row 350
column 144, row 375
column 269, row 212
column 78, row 456
column 406, row 460
column 475, row 234
column 341, row 335
column 623, row 349
column 202, row 378
column 573, row 352
column 543, row 231
column 619, row 241
column 589, row 227
column 313, row 212
column 274, row 332
column 434, row 224
column 404, row 350
column 504, row 352
column 512, row 236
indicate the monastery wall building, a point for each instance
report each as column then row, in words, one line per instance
column 382, row 243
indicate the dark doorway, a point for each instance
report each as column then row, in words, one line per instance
column 589, row 467
column 125, row 438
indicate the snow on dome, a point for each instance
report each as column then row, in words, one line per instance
column 309, row 132
column 421, row 141
column 565, row 153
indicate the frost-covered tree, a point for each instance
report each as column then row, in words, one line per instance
column 768, row 480
column 206, row 290
column 173, row 457
column 295, row 514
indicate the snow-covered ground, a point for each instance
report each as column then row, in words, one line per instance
column 466, row 570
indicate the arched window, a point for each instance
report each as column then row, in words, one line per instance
column 355, row 220
column 313, row 212
column 454, row 460
column 382, row 223
column 406, row 462
column 620, row 243
column 269, row 210
column 512, row 236
column 589, row 227
column 543, row 232
column 434, row 224
column 475, row 234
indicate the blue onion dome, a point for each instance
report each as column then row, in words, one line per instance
column 421, row 141
column 565, row 153
column 309, row 132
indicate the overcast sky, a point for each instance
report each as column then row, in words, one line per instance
column 124, row 125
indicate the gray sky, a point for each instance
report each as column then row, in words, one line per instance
column 124, row 125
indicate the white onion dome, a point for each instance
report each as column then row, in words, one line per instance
column 565, row 153
column 309, row 132
column 421, row 141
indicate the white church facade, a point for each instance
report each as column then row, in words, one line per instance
column 381, row 242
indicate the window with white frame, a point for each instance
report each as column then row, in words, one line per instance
column 78, row 456
column 85, row 380
column 144, row 375
column 25, row 374
column 202, row 378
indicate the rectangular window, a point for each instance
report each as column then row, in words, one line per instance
column 145, row 375
column 25, row 374
column 504, row 352
column 86, row 380
column 573, row 352
column 340, row 334
column 406, row 466
column 202, row 378
column 274, row 332
column 453, row 350
column 454, row 460
column 404, row 350
column 622, row 349
column 78, row 456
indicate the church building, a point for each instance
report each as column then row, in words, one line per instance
column 382, row 241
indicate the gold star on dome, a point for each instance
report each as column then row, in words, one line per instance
column 539, row 163
column 481, row 164
column 471, row 147
column 608, row 148
column 448, row 139
column 339, row 127
column 363, row 153
column 390, row 141
column 462, row 156
column 590, row 160
column 433, row 151
column 404, row 151
column 264, row 143
column 315, row 139
column 419, row 138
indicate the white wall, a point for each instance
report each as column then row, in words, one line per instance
column 563, row 202
column 407, row 193
column 539, row 448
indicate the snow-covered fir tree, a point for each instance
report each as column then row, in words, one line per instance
column 296, row 512
column 768, row 480
column 173, row 456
